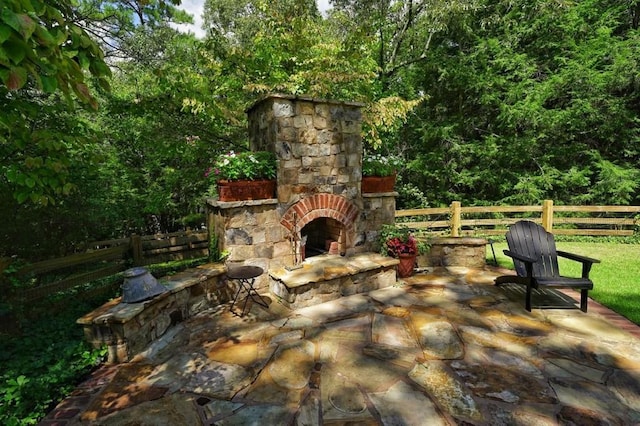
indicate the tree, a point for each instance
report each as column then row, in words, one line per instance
column 161, row 145
column 114, row 23
column 42, row 51
column 403, row 32
column 255, row 47
column 530, row 102
column 57, row 156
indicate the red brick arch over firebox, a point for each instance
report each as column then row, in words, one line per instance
column 317, row 206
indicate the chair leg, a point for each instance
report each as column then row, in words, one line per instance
column 527, row 302
column 583, row 299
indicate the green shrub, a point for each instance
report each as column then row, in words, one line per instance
column 43, row 364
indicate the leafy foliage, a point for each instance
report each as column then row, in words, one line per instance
column 43, row 41
column 116, row 24
column 528, row 103
column 490, row 101
column 43, row 52
column 43, row 365
column 244, row 165
column 395, row 240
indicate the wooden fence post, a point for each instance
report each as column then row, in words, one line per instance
column 136, row 249
column 547, row 215
column 456, row 218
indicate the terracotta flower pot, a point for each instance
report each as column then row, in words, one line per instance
column 405, row 267
column 373, row 184
column 242, row 190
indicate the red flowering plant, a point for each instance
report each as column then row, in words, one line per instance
column 396, row 246
column 397, row 240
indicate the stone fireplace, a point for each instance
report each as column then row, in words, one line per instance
column 319, row 203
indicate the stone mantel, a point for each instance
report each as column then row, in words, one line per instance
column 214, row 202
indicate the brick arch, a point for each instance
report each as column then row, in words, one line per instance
column 317, row 206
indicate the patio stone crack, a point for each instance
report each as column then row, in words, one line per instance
column 256, row 375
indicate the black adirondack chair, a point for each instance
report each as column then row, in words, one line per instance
column 535, row 258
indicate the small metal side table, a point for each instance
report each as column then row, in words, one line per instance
column 246, row 277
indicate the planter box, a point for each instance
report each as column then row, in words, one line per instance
column 373, row 184
column 242, row 190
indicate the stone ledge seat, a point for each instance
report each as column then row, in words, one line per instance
column 329, row 277
column 127, row 328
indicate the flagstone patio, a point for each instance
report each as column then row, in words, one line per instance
column 444, row 347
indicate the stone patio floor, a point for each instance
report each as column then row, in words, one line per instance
column 444, row 347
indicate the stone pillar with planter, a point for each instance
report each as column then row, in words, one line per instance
column 455, row 251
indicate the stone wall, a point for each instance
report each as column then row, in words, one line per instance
column 379, row 209
column 128, row 328
column 251, row 234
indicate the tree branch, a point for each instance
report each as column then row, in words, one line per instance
column 422, row 57
column 407, row 23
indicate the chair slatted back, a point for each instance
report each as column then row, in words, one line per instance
column 532, row 240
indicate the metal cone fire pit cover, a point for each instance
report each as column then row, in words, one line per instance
column 140, row 285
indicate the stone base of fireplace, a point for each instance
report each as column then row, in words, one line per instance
column 328, row 277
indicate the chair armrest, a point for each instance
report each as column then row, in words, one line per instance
column 520, row 257
column 577, row 257
column 587, row 262
column 528, row 264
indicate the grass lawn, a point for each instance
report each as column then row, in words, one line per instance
column 616, row 280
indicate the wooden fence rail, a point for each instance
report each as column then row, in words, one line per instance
column 457, row 220
column 101, row 259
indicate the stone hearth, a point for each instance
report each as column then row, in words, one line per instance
column 328, row 277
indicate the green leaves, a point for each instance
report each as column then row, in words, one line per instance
column 40, row 41
column 520, row 98
column 15, row 50
column 14, row 78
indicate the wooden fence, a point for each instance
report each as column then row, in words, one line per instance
column 457, row 220
column 101, row 259
column 105, row 258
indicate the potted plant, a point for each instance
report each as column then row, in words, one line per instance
column 379, row 172
column 245, row 175
column 399, row 242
